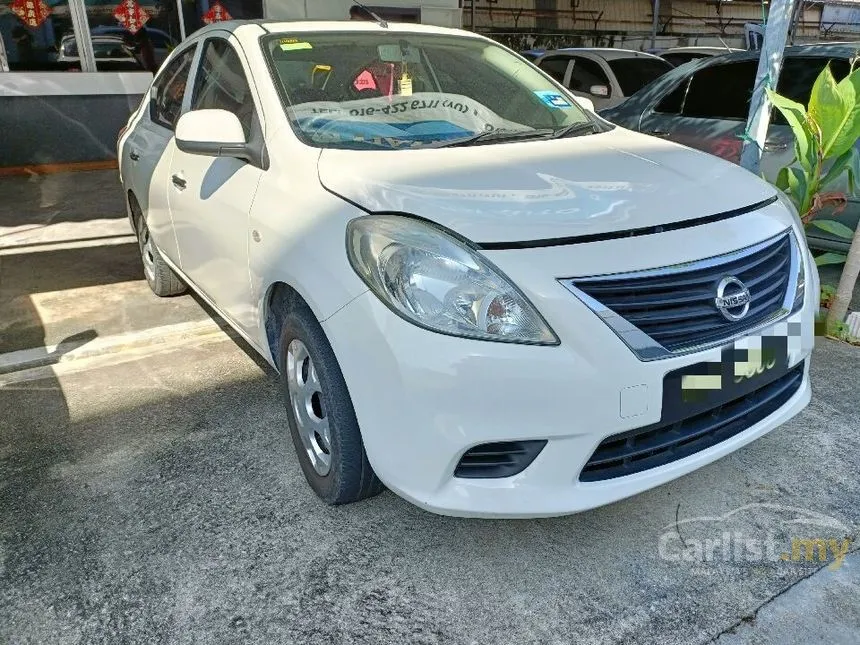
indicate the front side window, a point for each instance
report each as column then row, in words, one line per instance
column 169, row 90
column 555, row 66
column 635, row 73
column 588, row 75
column 221, row 83
column 383, row 90
column 721, row 91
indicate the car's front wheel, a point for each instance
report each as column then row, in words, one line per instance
column 322, row 419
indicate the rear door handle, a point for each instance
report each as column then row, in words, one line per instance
column 133, row 155
column 178, row 181
column 658, row 133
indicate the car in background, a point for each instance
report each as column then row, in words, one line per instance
column 533, row 54
column 112, row 54
column 162, row 42
column 678, row 56
column 603, row 75
column 705, row 104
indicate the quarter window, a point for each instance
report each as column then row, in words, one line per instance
column 221, row 83
column 721, row 91
column 674, row 101
column 169, row 90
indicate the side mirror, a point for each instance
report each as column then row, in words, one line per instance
column 599, row 90
column 213, row 133
column 584, row 103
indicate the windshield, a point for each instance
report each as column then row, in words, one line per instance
column 635, row 73
column 369, row 90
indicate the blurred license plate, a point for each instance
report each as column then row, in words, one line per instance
column 703, row 386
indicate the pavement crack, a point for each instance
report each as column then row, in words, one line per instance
column 750, row 618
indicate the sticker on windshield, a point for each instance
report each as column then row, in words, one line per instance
column 553, row 99
column 292, row 44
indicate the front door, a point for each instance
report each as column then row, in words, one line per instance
column 211, row 197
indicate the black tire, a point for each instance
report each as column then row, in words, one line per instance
column 350, row 477
column 161, row 278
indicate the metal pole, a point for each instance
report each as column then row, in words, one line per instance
column 181, row 19
column 472, row 20
column 655, row 23
column 769, row 66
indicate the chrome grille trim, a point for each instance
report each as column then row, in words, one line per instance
column 647, row 348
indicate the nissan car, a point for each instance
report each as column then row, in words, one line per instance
column 477, row 293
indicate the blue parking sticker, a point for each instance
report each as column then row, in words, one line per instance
column 552, row 99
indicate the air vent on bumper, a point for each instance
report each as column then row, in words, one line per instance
column 499, row 459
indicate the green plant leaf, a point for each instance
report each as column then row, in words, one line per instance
column 830, row 258
column 829, row 108
column 843, row 163
column 833, row 227
column 849, row 89
column 795, row 115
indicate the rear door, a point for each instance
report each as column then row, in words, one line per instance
column 147, row 151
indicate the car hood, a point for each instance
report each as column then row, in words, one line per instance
column 536, row 190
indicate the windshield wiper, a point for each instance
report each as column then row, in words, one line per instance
column 575, row 129
column 491, row 135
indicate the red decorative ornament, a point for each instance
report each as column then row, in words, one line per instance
column 31, row 12
column 131, row 15
column 216, row 13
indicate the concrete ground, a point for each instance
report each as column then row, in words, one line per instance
column 152, row 495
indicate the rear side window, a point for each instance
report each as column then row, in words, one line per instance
column 221, row 83
column 555, row 67
column 798, row 75
column 586, row 74
column 721, row 91
column 169, row 90
column 635, row 73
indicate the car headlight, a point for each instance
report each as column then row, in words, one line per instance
column 436, row 281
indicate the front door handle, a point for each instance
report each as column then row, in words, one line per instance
column 179, row 182
column 133, row 155
column 658, row 133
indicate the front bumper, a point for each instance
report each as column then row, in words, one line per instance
column 423, row 399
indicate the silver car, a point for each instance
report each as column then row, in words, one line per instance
column 704, row 104
column 605, row 76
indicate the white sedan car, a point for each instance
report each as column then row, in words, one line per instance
column 477, row 293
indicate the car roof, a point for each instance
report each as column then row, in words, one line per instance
column 703, row 49
column 609, row 53
column 244, row 27
column 841, row 50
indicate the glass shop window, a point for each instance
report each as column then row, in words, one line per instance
column 132, row 35
column 32, row 33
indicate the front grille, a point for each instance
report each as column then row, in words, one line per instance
column 675, row 307
column 499, row 459
column 661, row 443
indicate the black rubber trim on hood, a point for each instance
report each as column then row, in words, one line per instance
column 633, row 232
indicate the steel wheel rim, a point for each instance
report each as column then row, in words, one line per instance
column 147, row 252
column 306, row 401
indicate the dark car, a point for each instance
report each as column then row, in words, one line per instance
column 704, row 104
